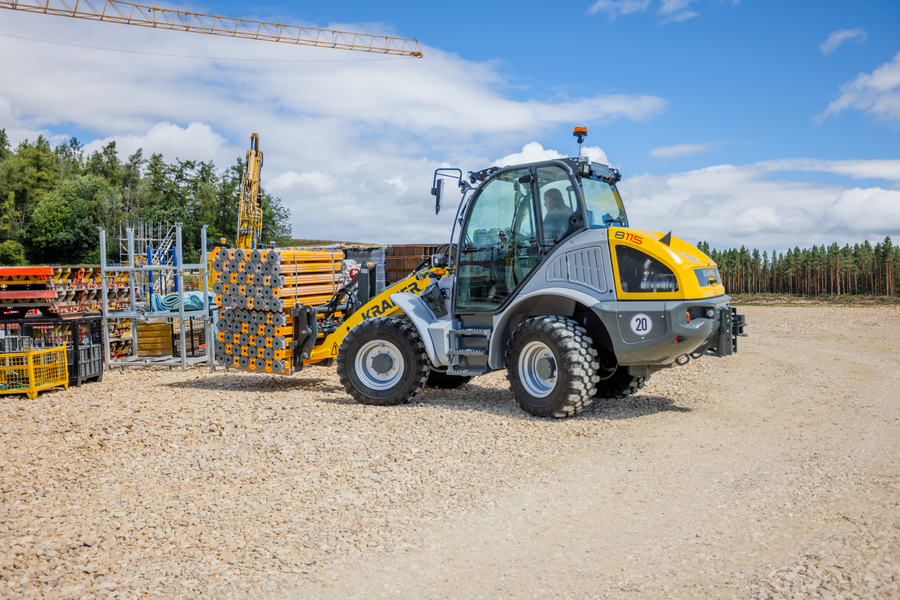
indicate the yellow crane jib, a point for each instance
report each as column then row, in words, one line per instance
column 114, row 11
column 249, row 232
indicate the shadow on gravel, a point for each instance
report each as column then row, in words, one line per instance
column 501, row 402
column 641, row 405
column 256, row 382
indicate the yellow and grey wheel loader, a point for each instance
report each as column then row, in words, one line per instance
column 546, row 280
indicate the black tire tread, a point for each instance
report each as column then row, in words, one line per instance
column 620, row 385
column 579, row 361
column 407, row 334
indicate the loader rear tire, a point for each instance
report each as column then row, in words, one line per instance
column 382, row 362
column 551, row 367
column 443, row 381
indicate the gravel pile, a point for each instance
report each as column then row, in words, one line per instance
column 180, row 484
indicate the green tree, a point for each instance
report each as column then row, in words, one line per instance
column 71, row 158
column 25, row 177
column 63, row 227
column 105, row 163
column 4, row 145
column 12, row 254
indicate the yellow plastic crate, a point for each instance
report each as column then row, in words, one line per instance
column 32, row 371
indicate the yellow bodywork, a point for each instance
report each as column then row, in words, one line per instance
column 379, row 306
column 682, row 258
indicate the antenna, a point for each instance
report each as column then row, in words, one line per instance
column 580, row 133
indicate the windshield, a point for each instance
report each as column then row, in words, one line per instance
column 604, row 205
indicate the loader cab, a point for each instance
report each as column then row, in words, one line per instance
column 518, row 216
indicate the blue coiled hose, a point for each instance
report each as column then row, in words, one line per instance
column 192, row 301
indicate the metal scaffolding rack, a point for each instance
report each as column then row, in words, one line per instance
column 140, row 277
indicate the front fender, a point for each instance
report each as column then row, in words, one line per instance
column 415, row 308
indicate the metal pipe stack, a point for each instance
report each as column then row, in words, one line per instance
column 255, row 291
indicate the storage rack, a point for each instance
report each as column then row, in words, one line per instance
column 138, row 280
column 82, row 338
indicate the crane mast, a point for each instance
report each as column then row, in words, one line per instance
column 115, row 11
column 249, row 232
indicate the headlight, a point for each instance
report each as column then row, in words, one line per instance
column 641, row 273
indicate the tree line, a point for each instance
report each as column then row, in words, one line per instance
column 53, row 199
column 862, row 269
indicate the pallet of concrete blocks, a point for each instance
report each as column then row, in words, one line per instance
column 256, row 290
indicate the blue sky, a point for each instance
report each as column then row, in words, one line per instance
column 734, row 122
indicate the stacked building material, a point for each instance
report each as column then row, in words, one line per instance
column 154, row 338
column 256, row 292
column 59, row 290
column 402, row 260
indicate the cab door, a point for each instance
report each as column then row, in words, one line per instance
column 499, row 244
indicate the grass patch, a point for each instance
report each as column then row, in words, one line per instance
column 803, row 300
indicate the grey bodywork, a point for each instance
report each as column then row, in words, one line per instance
column 578, row 271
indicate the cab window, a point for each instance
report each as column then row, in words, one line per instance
column 559, row 206
column 604, row 206
column 499, row 245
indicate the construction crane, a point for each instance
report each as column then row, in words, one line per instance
column 249, row 232
column 114, row 11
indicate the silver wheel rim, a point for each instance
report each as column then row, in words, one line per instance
column 379, row 365
column 538, row 369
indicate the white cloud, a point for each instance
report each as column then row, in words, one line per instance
column 682, row 16
column 888, row 169
column 196, row 142
column 676, row 10
column 534, row 152
column 839, row 37
column 865, row 209
column 344, row 135
column 19, row 129
column 618, row 7
column 531, row 152
column 877, row 93
column 669, row 10
column 681, row 150
column 730, row 206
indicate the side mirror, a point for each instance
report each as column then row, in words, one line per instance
column 438, row 192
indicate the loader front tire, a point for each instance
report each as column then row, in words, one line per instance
column 382, row 362
column 551, row 367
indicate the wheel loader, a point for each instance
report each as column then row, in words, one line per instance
column 544, row 278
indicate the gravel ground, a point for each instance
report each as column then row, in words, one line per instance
column 771, row 474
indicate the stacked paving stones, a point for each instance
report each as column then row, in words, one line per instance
column 255, row 292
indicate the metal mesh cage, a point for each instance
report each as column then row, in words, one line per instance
column 33, row 370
